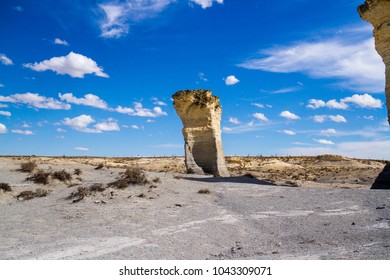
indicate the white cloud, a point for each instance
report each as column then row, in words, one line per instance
column 74, row 64
column 134, row 126
column 82, row 122
column 118, row 16
column 259, row 105
column 158, row 102
column 3, row 129
column 289, row 115
column 329, row 132
column 88, row 100
column 18, row 8
column 109, row 125
column 231, row 80
column 60, row 130
column 363, row 101
column 139, row 111
column 150, row 121
column 1, row 85
column 323, row 118
column 337, row 118
column 354, row 62
column 24, row 132
column 5, row 60
column 25, row 125
column 260, row 117
column 60, row 137
column 324, row 141
column 5, row 113
column 206, row 3
column 81, row 148
column 371, row 118
column 234, row 121
column 288, row 132
column 285, row 90
column 58, row 41
column 35, row 100
column 202, row 76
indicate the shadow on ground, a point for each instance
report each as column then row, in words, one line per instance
column 245, row 179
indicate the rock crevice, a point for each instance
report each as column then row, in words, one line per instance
column 200, row 114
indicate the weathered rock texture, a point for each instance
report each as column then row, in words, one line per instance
column 383, row 180
column 201, row 116
column 377, row 12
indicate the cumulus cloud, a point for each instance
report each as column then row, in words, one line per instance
column 134, row 126
column 206, row 3
column 324, row 141
column 323, row 118
column 5, row 60
column 354, row 62
column 88, row 100
column 140, row 111
column 118, row 16
column 81, row 148
column 5, row 113
column 24, row 132
column 363, row 101
column 260, row 117
column 3, row 129
column 231, row 80
column 234, row 121
column 74, row 64
column 158, row 102
column 359, row 100
column 82, row 122
column 289, row 115
column 35, row 100
column 58, row 41
column 288, row 132
column 329, row 132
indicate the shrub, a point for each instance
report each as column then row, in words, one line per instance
column 98, row 187
column 135, row 176
column 41, row 177
column 27, row 195
column 77, row 171
column 100, row 166
column 204, row 191
column 62, row 176
column 5, row 187
column 29, row 166
column 80, row 193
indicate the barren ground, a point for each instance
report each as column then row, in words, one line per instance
column 271, row 208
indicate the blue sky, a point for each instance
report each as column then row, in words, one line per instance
column 96, row 77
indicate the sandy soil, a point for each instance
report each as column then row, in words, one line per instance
column 287, row 208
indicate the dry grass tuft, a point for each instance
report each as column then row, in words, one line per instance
column 5, row 187
column 41, row 177
column 204, row 191
column 156, row 180
column 28, row 167
column 27, row 195
column 62, row 176
column 79, row 194
column 100, row 166
column 135, row 176
column 98, row 187
column 77, row 172
column 118, row 184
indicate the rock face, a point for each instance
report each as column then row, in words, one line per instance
column 201, row 116
column 383, row 180
column 377, row 12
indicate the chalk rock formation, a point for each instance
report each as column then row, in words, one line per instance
column 377, row 12
column 383, row 180
column 201, row 116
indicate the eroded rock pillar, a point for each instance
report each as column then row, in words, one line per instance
column 377, row 12
column 201, row 116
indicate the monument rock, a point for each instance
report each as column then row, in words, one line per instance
column 377, row 12
column 201, row 113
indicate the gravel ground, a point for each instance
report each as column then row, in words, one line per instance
column 240, row 218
